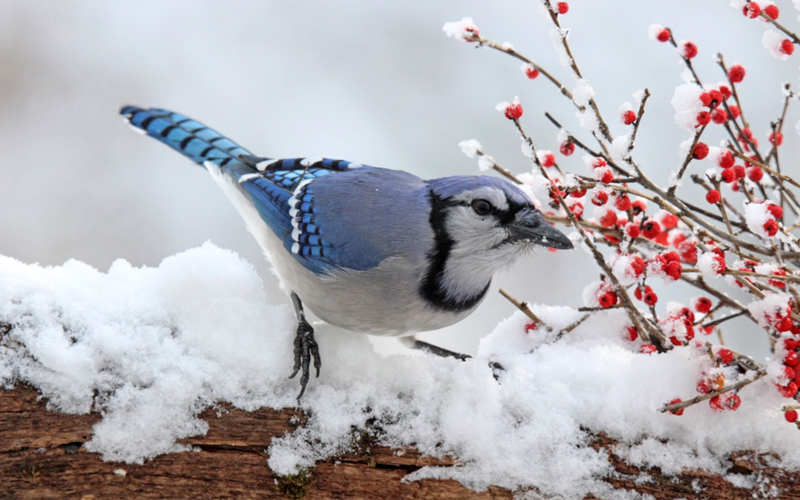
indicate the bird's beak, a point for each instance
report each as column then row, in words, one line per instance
column 529, row 225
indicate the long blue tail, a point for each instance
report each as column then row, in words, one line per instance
column 186, row 136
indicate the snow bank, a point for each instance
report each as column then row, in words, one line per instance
column 152, row 347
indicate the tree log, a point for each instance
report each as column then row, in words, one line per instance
column 41, row 456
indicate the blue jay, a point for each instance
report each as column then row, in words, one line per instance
column 367, row 249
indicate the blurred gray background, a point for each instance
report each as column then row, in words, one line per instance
column 374, row 82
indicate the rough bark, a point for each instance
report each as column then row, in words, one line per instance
column 41, row 457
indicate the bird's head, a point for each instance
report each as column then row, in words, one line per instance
column 481, row 224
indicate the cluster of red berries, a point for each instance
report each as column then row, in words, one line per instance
column 601, row 170
column 713, row 100
column 789, row 380
column 771, row 225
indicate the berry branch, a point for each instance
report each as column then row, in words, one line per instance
column 642, row 236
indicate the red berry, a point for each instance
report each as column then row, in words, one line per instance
column 736, row 73
column 548, row 160
column 669, row 221
column 531, row 72
column 578, row 193
column 676, row 401
column 651, row 229
column 632, row 231
column 728, row 175
column 783, row 325
column 600, row 198
column 576, row 208
column 628, row 117
column 772, row 138
column 751, row 10
column 674, row 270
column 567, row 148
column 622, row 203
column 607, row 299
column 772, row 11
column 725, row 356
column 775, row 210
column 755, row 174
column 514, row 111
column 739, row 171
column 725, row 159
column 719, row 116
column 703, row 118
column 716, row 96
column 713, row 196
column 791, row 359
column 705, row 98
column 734, row 110
column 563, row 7
column 788, row 391
column 639, row 206
column 650, row 297
column 733, row 402
column 631, row 333
column 716, row 404
column 530, row 327
column 787, row 47
column 790, row 416
column 726, row 91
column 671, row 257
column 700, row 151
column 703, row 305
column 689, row 49
column 608, row 219
column 664, row 35
column 647, row 349
column 771, row 227
column 702, row 387
column 608, row 176
column 789, row 344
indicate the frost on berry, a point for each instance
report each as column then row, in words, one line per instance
column 760, row 220
column 687, row 105
column 546, row 158
column 627, row 115
column 512, row 110
column 529, row 71
column 723, row 158
column 711, row 264
column 774, row 43
column 658, row 33
column 688, row 49
column 464, row 30
column 751, row 10
column 628, row 268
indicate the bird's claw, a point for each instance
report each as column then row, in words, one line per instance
column 305, row 348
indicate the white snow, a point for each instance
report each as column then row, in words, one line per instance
column 558, row 35
column 470, row 147
column 687, row 104
column 485, row 162
column 755, row 215
column 771, row 40
column 653, row 30
column 709, row 265
column 458, row 29
column 150, row 348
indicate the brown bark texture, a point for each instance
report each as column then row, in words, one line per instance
column 41, row 456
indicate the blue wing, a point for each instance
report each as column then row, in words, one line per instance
column 280, row 189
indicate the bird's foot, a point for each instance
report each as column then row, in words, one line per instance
column 305, row 348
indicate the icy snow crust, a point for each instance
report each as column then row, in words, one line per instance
column 159, row 345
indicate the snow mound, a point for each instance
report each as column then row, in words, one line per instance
column 150, row 348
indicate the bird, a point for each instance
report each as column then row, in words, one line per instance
column 368, row 249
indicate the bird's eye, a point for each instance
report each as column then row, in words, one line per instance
column 482, row 207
